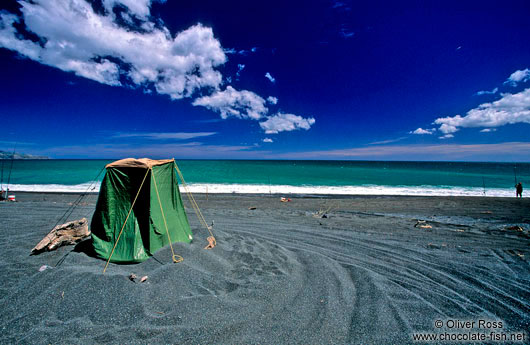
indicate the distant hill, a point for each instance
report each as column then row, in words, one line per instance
column 18, row 155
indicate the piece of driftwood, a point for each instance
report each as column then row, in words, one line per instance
column 68, row 233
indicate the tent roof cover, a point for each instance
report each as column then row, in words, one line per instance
column 139, row 210
column 138, row 163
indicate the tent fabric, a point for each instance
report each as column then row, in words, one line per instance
column 144, row 232
column 138, row 163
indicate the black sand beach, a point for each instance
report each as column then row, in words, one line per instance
column 278, row 275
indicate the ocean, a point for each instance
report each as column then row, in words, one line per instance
column 285, row 177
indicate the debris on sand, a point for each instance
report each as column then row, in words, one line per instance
column 322, row 213
column 68, row 233
column 515, row 253
column 44, row 268
column 133, row 277
column 515, row 228
column 422, row 224
column 518, row 230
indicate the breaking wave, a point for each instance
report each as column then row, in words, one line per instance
column 287, row 189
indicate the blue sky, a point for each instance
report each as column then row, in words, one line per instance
column 266, row 80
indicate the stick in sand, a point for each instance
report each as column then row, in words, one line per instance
column 10, row 169
column 2, row 179
column 515, row 179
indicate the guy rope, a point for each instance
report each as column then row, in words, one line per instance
column 211, row 239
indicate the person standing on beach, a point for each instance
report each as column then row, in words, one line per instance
column 519, row 190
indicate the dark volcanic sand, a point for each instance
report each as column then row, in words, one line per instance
column 278, row 274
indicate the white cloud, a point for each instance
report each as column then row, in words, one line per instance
column 448, row 128
column 243, row 52
column 267, row 140
column 76, row 39
column 272, row 100
column 154, row 150
column 507, row 151
column 338, row 4
column 388, row 141
column 447, row 136
column 231, row 102
column 492, row 92
column 346, row 34
column 518, row 77
column 286, row 123
column 270, row 77
column 140, row 8
column 510, row 109
column 423, row 131
column 488, row 130
column 247, row 105
column 345, row 31
column 240, row 68
column 164, row 136
column 8, row 39
column 131, row 48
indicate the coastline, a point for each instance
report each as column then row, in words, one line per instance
column 91, row 197
column 249, row 189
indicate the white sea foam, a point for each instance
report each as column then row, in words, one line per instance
column 349, row 190
column 285, row 189
column 58, row 188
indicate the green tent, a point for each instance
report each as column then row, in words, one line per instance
column 139, row 210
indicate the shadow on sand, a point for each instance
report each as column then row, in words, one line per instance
column 86, row 247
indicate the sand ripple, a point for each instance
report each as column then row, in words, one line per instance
column 276, row 276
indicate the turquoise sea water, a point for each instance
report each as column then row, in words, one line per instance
column 307, row 177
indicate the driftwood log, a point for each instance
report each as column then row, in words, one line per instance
column 68, row 233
